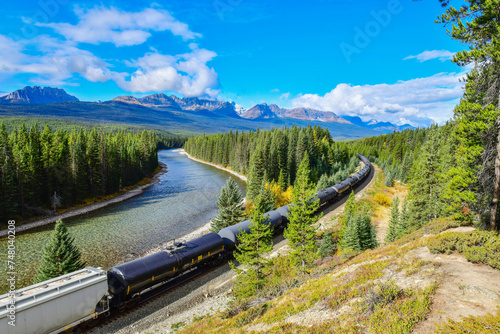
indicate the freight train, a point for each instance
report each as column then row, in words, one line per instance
column 63, row 303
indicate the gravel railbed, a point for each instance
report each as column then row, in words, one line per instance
column 203, row 295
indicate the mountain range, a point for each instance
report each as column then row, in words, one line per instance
column 190, row 113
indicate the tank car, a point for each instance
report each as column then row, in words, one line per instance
column 129, row 279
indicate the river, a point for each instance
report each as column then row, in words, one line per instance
column 181, row 202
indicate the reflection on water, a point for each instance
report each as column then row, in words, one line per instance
column 182, row 201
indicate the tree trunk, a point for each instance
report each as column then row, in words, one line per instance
column 496, row 186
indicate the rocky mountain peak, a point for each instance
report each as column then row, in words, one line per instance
column 36, row 95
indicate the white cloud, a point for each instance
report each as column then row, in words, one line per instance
column 418, row 101
column 285, row 96
column 186, row 74
column 275, row 90
column 442, row 55
column 103, row 24
column 58, row 63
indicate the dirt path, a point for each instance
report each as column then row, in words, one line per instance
column 381, row 221
column 466, row 289
column 86, row 209
column 243, row 177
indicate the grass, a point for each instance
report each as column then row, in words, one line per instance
column 177, row 326
column 357, row 292
column 487, row 324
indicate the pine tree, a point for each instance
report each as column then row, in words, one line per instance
column 282, row 180
column 404, row 220
column 266, row 200
column 358, row 234
column 475, row 181
column 300, row 231
column 425, row 185
column 60, row 255
column 388, row 177
column 257, row 173
column 324, row 182
column 249, row 253
column 394, row 222
column 230, row 203
column 327, row 246
column 350, row 234
column 367, row 232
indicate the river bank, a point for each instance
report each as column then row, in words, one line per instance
column 92, row 207
column 241, row 176
column 203, row 229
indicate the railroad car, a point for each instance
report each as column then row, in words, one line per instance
column 63, row 303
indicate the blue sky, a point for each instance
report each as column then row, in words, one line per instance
column 386, row 60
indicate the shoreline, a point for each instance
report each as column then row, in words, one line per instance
column 202, row 230
column 92, row 207
column 241, row 176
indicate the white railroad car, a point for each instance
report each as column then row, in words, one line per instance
column 56, row 305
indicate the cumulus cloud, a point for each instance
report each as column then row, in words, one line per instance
column 442, row 55
column 418, row 102
column 103, row 24
column 275, row 90
column 59, row 62
column 187, row 74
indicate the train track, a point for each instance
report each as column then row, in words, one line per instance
column 187, row 277
column 150, row 296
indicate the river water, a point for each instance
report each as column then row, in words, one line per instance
column 181, row 202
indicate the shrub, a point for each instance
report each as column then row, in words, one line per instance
column 472, row 324
column 477, row 246
column 382, row 199
column 328, row 246
column 250, row 315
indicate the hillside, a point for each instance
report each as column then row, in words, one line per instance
column 402, row 287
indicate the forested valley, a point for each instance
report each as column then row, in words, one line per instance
column 43, row 170
column 430, row 160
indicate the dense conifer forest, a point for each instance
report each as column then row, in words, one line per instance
column 43, row 170
column 430, row 160
column 273, row 155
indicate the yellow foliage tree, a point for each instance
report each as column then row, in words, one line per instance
column 282, row 197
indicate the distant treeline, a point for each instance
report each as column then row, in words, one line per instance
column 42, row 170
column 274, row 155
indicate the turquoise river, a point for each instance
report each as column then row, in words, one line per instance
column 181, row 202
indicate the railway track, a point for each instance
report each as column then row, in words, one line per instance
column 187, row 277
column 150, row 296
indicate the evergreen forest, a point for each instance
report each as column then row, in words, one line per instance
column 442, row 181
column 43, row 170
